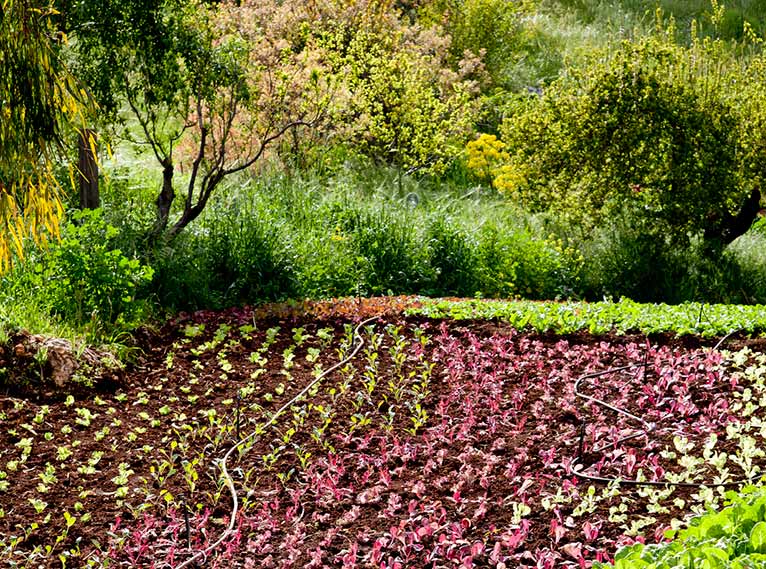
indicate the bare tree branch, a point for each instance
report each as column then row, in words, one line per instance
column 264, row 143
column 159, row 152
column 199, row 157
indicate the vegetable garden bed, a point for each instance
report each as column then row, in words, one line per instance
column 440, row 444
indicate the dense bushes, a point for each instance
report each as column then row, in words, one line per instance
column 356, row 234
column 634, row 165
column 84, row 279
column 245, row 256
column 405, row 104
column 650, row 159
column 624, row 258
column 656, row 128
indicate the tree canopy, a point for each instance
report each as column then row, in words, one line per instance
column 207, row 87
column 662, row 131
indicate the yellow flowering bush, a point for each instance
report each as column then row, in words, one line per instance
column 400, row 101
column 509, row 179
column 486, row 156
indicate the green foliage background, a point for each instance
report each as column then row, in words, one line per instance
column 656, row 131
column 630, row 139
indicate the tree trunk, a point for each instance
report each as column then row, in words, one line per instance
column 191, row 213
column 166, row 197
column 88, row 168
column 732, row 226
column 744, row 218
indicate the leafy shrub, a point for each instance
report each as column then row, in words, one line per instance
column 405, row 105
column 392, row 258
column 516, row 264
column 240, row 254
column 355, row 234
column 85, row 279
column 748, row 254
column 733, row 538
column 328, row 266
column 250, row 259
column 489, row 27
column 625, row 257
column 654, row 127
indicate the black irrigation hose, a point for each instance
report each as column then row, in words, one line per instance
column 647, row 428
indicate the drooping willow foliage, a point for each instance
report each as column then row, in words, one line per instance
column 38, row 97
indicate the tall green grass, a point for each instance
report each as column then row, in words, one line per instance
column 608, row 16
column 360, row 231
column 558, row 31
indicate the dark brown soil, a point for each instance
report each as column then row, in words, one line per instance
column 348, row 477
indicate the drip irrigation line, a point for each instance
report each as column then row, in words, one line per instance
column 357, row 338
column 647, row 428
column 722, row 340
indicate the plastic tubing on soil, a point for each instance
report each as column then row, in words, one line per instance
column 647, row 428
column 203, row 553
